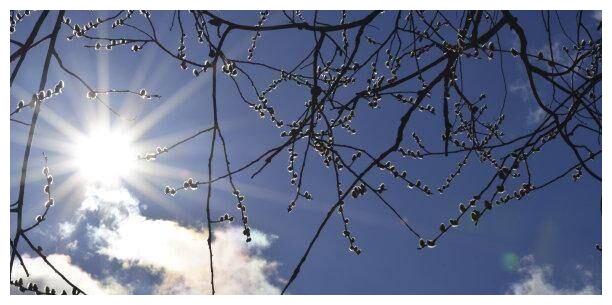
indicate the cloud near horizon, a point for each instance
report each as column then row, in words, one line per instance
column 537, row 280
column 43, row 276
column 110, row 224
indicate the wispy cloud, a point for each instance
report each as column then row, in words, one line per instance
column 520, row 89
column 535, row 115
column 538, row 280
column 65, row 229
column 117, row 230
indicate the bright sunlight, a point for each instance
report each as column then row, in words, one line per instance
column 105, row 156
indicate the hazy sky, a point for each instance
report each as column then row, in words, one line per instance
column 131, row 238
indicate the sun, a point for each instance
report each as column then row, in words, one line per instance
column 105, row 156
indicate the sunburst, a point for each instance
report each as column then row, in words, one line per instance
column 104, row 156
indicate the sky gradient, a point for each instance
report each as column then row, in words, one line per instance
column 131, row 238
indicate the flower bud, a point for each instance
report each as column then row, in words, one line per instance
column 49, row 203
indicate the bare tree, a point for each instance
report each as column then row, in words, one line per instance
column 417, row 60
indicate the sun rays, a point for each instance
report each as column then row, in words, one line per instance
column 88, row 144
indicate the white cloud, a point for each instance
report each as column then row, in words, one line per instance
column 43, row 276
column 522, row 89
column 537, row 280
column 73, row 245
column 65, row 229
column 535, row 116
column 178, row 253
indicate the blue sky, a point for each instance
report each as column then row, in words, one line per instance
column 546, row 240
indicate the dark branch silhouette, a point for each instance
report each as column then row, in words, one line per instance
column 417, row 61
